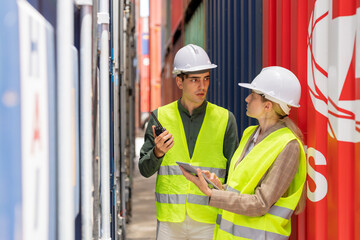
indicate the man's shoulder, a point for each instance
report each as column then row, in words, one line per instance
column 168, row 105
column 222, row 109
column 215, row 106
column 168, row 110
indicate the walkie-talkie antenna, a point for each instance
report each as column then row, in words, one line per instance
column 157, row 121
column 159, row 128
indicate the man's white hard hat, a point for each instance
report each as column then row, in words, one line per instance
column 191, row 58
column 278, row 84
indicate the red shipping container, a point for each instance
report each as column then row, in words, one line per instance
column 318, row 41
column 143, row 63
column 176, row 14
column 155, row 54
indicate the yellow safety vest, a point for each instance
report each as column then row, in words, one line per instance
column 175, row 195
column 245, row 177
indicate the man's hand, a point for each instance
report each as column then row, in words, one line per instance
column 198, row 181
column 161, row 143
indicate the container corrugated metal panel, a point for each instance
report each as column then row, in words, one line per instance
column 234, row 43
column 155, row 54
column 168, row 32
column 169, row 90
column 46, row 8
column 143, row 44
column 177, row 44
column 164, row 30
column 176, row 14
column 166, row 26
column 327, row 31
column 27, row 129
column 186, row 3
column 10, row 136
column 195, row 28
column 144, row 84
column 284, row 44
column 321, row 50
column 166, row 79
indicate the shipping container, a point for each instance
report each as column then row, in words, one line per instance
column 165, row 29
column 233, row 42
column 176, row 13
column 10, row 124
column 195, row 26
column 317, row 40
column 169, row 90
column 144, row 67
column 136, row 65
column 308, row 41
column 55, row 103
column 155, row 54
column 187, row 2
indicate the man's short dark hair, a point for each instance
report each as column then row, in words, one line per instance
column 182, row 76
column 185, row 75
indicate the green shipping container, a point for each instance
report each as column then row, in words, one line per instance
column 195, row 27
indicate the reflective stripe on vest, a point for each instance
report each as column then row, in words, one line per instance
column 181, row 198
column 175, row 170
column 247, row 232
column 175, row 195
column 245, row 177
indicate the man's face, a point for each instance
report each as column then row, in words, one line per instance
column 194, row 86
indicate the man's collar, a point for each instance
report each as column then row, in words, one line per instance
column 199, row 110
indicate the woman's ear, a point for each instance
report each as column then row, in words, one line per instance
column 179, row 82
column 268, row 106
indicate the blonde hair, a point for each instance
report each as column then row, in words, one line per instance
column 288, row 122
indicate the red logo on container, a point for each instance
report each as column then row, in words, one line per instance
column 333, row 77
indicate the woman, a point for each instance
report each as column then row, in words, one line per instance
column 268, row 170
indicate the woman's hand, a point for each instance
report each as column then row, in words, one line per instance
column 198, row 181
column 213, row 178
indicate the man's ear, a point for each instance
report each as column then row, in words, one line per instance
column 179, row 82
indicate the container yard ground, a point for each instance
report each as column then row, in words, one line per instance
column 143, row 222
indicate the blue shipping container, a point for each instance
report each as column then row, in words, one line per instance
column 234, row 43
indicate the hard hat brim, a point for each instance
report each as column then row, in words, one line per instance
column 250, row 86
column 246, row 85
column 194, row 69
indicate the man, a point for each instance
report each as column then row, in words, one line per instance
column 197, row 132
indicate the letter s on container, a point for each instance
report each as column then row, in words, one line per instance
column 320, row 181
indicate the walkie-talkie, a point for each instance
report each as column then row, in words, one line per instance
column 159, row 128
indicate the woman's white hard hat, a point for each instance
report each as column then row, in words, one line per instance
column 191, row 58
column 278, row 84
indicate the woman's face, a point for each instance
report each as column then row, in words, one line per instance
column 255, row 107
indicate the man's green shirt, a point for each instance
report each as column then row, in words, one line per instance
column 149, row 163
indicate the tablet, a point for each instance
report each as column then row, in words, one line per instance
column 188, row 167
